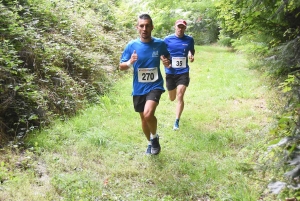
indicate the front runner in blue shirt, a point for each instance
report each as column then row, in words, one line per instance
column 144, row 55
column 182, row 50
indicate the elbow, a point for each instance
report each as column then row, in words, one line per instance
column 122, row 67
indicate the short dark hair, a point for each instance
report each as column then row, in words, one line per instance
column 145, row 17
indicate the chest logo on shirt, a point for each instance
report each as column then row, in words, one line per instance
column 155, row 54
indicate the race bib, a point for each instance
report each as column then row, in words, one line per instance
column 147, row 74
column 179, row 62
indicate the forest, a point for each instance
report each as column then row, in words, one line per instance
column 57, row 57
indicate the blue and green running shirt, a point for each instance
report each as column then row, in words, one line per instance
column 147, row 75
column 179, row 49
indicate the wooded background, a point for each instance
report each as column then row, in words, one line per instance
column 58, row 56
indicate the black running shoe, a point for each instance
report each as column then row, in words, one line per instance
column 155, row 149
column 148, row 150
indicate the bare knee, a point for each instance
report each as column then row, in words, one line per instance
column 172, row 94
column 180, row 93
column 172, row 98
column 146, row 116
column 180, row 97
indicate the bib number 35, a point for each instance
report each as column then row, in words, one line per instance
column 179, row 62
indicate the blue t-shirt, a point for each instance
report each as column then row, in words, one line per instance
column 179, row 49
column 147, row 75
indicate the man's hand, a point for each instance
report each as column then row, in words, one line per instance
column 128, row 64
column 134, row 57
column 166, row 62
column 191, row 57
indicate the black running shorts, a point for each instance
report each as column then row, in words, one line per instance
column 140, row 101
column 172, row 81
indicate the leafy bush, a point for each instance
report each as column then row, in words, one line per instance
column 57, row 56
column 200, row 16
column 269, row 31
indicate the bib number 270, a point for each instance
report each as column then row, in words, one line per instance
column 147, row 74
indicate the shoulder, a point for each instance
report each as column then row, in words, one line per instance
column 188, row 37
column 133, row 42
column 171, row 36
column 157, row 40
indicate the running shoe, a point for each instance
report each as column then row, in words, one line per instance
column 148, row 150
column 155, row 149
column 176, row 125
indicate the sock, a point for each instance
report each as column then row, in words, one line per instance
column 149, row 143
column 153, row 136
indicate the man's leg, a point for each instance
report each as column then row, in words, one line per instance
column 151, row 122
column 180, row 101
column 145, row 126
column 180, row 105
column 148, row 116
column 171, row 86
column 172, row 94
column 147, row 133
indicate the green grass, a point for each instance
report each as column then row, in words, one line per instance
column 99, row 154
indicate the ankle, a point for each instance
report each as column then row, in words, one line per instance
column 153, row 136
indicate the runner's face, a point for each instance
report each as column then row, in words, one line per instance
column 145, row 28
column 179, row 30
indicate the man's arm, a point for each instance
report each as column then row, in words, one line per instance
column 191, row 55
column 129, row 63
column 125, row 65
column 192, row 52
column 166, row 60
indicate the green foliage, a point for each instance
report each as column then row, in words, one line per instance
column 99, row 154
column 224, row 40
column 57, row 56
column 284, row 59
column 251, row 45
column 200, row 16
column 74, row 187
column 269, row 32
column 270, row 22
column 204, row 27
column 3, row 172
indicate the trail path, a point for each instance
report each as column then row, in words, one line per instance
column 99, row 155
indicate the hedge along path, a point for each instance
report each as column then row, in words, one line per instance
column 100, row 153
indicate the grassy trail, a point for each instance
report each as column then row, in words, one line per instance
column 99, row 155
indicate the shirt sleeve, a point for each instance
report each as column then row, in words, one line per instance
column 126, row 54
column 192, row 46
column 165, row 51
